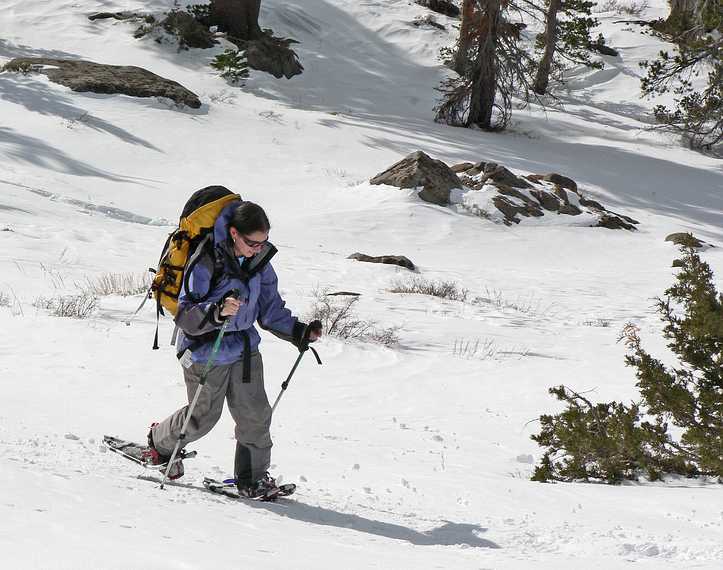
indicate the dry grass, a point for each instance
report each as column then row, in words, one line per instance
column 421, row 286
column 622, row 7
column 339, row 319
column 123, row 284
column 73, row 306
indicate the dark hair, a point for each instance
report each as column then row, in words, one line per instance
column 249, row 218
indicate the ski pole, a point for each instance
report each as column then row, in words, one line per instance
column 214, row 350
column 285, row 385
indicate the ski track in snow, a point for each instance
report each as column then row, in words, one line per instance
column 413, row 457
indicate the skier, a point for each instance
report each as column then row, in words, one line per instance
column 236, row 283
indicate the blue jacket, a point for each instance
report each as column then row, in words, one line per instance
column 210, row 278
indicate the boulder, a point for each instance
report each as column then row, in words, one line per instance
column 613, row 221
column 600, row 47
column 570, row 210
column 685, row 239
column 558, row 179
column 462, row 167
column 399, row 260
column 445, row 7
column 418, row 169
column 427, row 21
column 108, row 79
column 513, row 196
column 547, row 201
column 114, row 15
column 499, row 174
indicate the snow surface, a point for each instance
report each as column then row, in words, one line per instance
column 413, row 457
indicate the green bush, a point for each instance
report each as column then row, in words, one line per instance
column 232, row 64
column 609, row 441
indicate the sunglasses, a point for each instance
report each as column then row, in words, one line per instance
column 252, row 243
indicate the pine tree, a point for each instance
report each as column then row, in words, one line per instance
column 696, row 29
column 611, row 441
column 691, row 394
column 233, row 65
column 568, row 25
column 493, row 65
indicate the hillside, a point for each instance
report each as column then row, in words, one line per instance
column 415, row 456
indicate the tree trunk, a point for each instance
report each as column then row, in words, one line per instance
column 238, row 18
column 467, row 29
column 543, row 71
column 484, row 77
column 692, row 16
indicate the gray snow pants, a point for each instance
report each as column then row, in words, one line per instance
column 249, row 407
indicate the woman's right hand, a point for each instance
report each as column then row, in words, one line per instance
column 230, row 306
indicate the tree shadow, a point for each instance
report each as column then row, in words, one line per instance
column 448, row 534
column 690, row 194
column 11, row 51
column 35, row 151
column 347, row 67
column 377, row 87
column 38, row 97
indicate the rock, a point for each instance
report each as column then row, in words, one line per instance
column 343, row 294
column 477, row 168
column 591, row 204
column 547, row 201
column 603, row 49
column 561, row 181
column 387, row 259
column 561, row 194
column 685, row 239
column 499, row 174
column 613, row 222
column 508, row 208
column 427, row 21
column 531, row 208
column 108, row 79
column 272, row 55
column 462, row 167
column 418, row 169
column 570, row 210
column 114, row 15
column 441, row 7
column 470, row 182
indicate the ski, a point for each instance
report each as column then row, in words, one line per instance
column 133, row 452
column 227, row 487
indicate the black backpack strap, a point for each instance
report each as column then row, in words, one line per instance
column 247, row 358
column 159, row 312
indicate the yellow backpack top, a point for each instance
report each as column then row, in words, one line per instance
column 185, row 244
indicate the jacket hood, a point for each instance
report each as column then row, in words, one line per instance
column 220, row 228
column 222, row 241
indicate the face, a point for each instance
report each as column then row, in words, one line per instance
column 248, row 245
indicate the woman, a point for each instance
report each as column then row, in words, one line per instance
column 236, row 283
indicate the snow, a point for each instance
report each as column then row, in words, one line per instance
column 413, row 457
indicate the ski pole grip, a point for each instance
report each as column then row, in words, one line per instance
column 235, row 293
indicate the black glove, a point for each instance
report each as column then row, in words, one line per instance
column 302, row 333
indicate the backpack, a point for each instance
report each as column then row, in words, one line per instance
column 185, row 245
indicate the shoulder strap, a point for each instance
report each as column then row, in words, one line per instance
column 205, row 246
